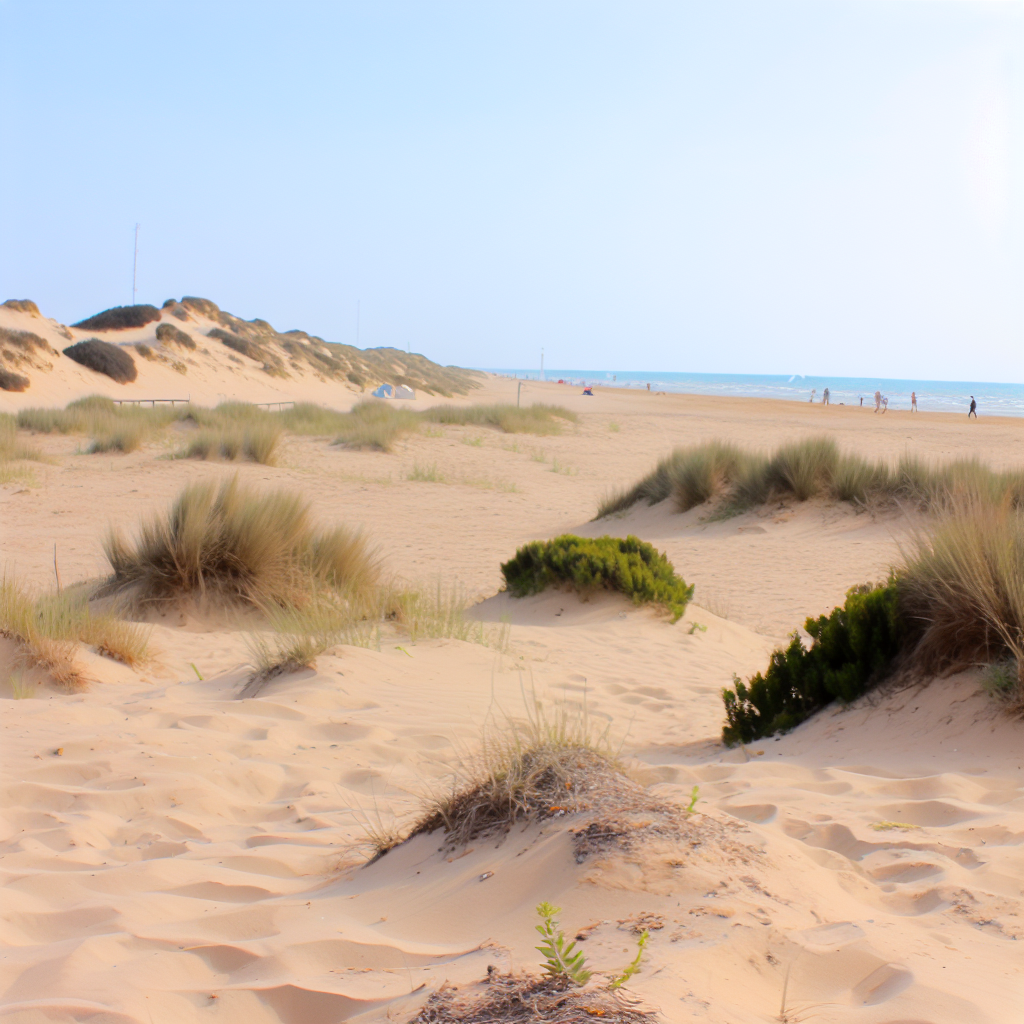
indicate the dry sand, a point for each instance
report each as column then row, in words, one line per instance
column 190, row 857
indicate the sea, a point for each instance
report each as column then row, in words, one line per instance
column 932, row 395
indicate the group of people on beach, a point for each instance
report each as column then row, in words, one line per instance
column 882, row 402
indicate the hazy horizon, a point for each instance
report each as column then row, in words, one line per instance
column 816, row 188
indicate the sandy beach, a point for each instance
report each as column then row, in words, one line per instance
column 173, row 854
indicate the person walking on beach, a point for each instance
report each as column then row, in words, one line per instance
column 861, row 401
column 913, row 401
column 878, row 400
column 824, row 397
column 974, row 409
column 885, row 404
column 814, row 391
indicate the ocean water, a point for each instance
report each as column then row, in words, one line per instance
column 932, row 395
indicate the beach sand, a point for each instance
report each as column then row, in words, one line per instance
column 190, row 857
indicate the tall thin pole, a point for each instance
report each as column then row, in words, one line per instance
column 135, row 265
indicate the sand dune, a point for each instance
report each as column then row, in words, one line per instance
column 189, row 856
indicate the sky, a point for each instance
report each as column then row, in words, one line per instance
column 776, row 186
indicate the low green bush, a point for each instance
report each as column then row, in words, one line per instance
column 168, row 334
column 103, row 357
column 586, row 564
column 851, row 650
column 120, row 318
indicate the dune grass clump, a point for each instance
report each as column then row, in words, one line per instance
column 48, row 628
column 851, row 650
column 511, row 419
column 22, row 306
column 234, row 544
column 811, row 468
column 962, row 587
column 104, row 358
column 521, row 998
column 298, row 637
column 124, row 437
column 376, row 425
column 586, row 565
column 120, row 318
column 524, row 771
column 257, row 442
column 13, row 450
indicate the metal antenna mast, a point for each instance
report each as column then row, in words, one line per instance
column 135, row 265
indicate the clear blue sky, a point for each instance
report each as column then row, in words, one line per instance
column 820, row 187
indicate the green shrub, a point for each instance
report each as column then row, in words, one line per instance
column 851, row 650
column 168, row 334
column 25, row 340
column 120, row 318
column 629, row 566
column 13, row 381
column 103, row 357
column 243, row 346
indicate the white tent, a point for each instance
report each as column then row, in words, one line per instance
column 403, row 392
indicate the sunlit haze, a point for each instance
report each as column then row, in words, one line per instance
column 766, row 187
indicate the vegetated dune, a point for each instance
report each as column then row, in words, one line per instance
column 175, row 850
column 194, row 349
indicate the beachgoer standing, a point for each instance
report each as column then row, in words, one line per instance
column 974, row 409
column 862, row 401
column 824, row 397
column 913, row 401
column 885, row 404
column 878, row 400
column 648, row 387
column 814, row 391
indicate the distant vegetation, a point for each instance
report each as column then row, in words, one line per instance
column 12, row 381
column 168, row 334
column 587, row 565
column 235, row 428
column 280, row 353
column 120, row 318
column 811, row 468
column 22, row 306
column 296, row 350
column 105, row 358
column 530, row 419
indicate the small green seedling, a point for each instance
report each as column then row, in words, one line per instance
column 559, row 959
column 634, row 967
column 403, row 650
column 693, row 799
column 194, row 669
column 696, row 627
